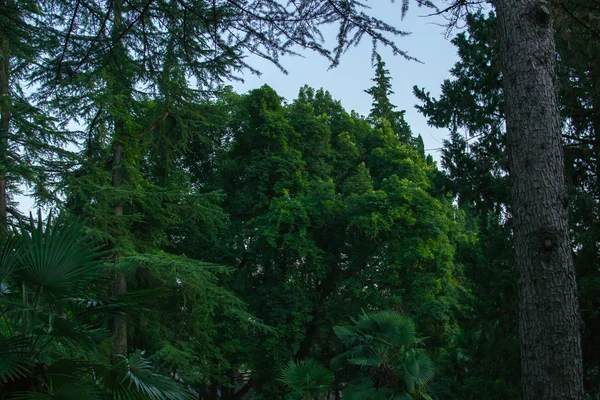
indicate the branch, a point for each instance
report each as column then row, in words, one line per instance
column 71, row 26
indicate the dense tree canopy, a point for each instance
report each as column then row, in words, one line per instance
column 218, row 245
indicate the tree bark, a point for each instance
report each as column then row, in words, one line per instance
column 4, row 125
column 549, row 318
column 119, row 91
column 120, row 286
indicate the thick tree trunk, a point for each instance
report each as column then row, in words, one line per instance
column 4, row 125
column 549, row 316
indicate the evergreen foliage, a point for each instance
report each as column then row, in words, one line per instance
column 382, row 108
column 228, row 237
column 33, row 144
column 307, row 378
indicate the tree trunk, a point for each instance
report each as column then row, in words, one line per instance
column 119, row 90
column 549, row 319
column 4, row 125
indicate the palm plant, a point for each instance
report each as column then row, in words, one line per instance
column 54, row 313
column 308, row 379
column 383, row 360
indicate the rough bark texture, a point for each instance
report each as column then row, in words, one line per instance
column 549, row 316
column 4, row 124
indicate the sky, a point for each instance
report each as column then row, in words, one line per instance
column 348, row 81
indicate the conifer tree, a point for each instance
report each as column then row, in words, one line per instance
column 32, row 149
column 382, row 107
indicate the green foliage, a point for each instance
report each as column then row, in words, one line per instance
column 308, row 379
column 382, row 358
column 133, row 377
column 330, row 215
column 471, row 106
column 32, row 140
column 195, row 321
column 54, row 319
column 318, row 213
column 382, row 108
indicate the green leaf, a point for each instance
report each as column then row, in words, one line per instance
column 10, row 250
column 59, row 259
column 307, row 377
column 364, row 390
column 133, row 378
column 15, row 358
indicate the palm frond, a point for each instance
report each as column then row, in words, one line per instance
column 307, row 377
column 388, row 325
column 72, row 370
column 129, row 305
column 420, row 368
column 383, row 345
column 133, row 378
column 363, row 361
column 348, row 335
column 15, row 358
column 342, row 359
column 10, row 248
column 73, row 334
column 59, row 259
column 362, row 390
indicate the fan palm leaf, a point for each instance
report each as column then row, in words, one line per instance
column 388, row 326
column 307, row 378
column 420, row 368
column 58, row 259
column 72, row 334
column 133, row 378
column 361, row 390
column 15, row 359
column 384, row 345
column 10, row 248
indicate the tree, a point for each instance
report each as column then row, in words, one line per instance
column 4, row 127
column 483, row 115
column 382, row 106
column 548, row 306
column 329, row 214
column 32, row 145
column 475, row 173
column 110, row 56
